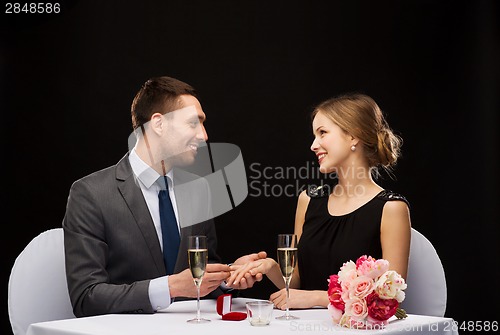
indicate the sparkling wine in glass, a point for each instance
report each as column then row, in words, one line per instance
column 198, row 258
column 287, row 259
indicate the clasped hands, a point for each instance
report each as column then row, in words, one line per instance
column 242, row 274
column 248, row 269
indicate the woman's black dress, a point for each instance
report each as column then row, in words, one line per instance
column 327, row 241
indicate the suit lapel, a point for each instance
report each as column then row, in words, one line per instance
column 132, row 195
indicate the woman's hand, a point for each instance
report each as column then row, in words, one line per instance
column 255, row 268
column 299, row 299
column 248, row 280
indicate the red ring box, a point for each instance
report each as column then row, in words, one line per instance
column 224, row 303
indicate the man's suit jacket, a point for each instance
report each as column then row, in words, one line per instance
column 111, row 245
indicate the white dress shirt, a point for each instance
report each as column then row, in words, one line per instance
column 159, row 293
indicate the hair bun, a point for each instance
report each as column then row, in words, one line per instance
column 388, row 147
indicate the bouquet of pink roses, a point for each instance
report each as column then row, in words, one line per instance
column 365, row 294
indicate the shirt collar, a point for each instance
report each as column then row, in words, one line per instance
column 145, row 173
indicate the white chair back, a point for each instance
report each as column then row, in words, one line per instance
column 38, row 290
column 426, row 292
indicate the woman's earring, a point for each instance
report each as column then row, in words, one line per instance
column 353, row 148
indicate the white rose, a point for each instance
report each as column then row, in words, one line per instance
column 390, row 286
column 347, row 272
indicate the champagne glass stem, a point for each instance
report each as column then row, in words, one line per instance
column 287, row 260
column 287, row 287
column 198, row 313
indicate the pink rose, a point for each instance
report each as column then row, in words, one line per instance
column 365, row 265
column 380, row 309
column 345, row 286
column 335, row 313
column 356, row 308
column 381, row 266
column 333, row 281
column 371, row 267
column 362, row 259
column 335, row 293
column 361, row 287
column 336, row 300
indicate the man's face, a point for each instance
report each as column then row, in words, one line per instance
column 184, row 132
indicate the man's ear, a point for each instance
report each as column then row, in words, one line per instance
column 157, row 123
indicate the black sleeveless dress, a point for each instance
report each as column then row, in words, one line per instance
column 327, row 241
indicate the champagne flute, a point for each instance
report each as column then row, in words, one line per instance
column 198, row 258
column 287, row 259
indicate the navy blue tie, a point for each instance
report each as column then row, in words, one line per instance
column 169, row 229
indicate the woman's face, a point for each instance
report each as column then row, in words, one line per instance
column 331, row 145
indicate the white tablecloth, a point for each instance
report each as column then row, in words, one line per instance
column 173, row 321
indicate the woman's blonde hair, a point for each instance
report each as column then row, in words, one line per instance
column 360, row 116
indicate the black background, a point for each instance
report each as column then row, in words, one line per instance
column 67, row 81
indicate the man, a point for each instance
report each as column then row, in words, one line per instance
column 125, row 238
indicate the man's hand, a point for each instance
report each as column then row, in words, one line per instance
column 182, row 284
column 242, row 278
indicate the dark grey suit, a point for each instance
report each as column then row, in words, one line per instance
column 111, row 246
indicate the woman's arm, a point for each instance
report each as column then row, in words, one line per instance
column 300, row 217
column 395, row 235
column 300, row 299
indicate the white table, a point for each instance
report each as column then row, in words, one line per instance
column 173, row 321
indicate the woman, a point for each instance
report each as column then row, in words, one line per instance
column 355, row 216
